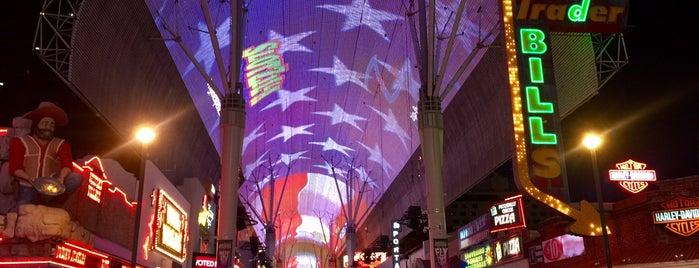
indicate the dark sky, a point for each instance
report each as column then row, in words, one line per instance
column 28, row 81
column 649, row 111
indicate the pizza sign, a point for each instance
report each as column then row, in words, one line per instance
column 506, row 215
column 632, row 176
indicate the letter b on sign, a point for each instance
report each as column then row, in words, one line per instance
column 532, row 41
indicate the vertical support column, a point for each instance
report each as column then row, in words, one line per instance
column 351, row 240
column 270, row 241
column 270, row 236
column 431, row 127
column 350, row 225
column 232, row 130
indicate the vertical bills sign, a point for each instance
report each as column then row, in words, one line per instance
column 540, row 112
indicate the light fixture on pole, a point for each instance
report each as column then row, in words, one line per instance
column 592, row 141
column 144, row 135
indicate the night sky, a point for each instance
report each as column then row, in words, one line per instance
column 649, row 111
column 28, row 81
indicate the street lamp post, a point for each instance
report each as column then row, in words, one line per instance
column 144, row 135
column 592, row 142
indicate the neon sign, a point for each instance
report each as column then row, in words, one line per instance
column 507, row 215
column 204, row 260
column 507, row 248
column 474, row 232
column 480, row 257
column 97, row 179
column 395, row 244
column 680, row 215
column 264, row 72
column 540, row 142
column 170, row 225
column 579, row 16
column 76, row 255
column 632, row 175
column 206, row 215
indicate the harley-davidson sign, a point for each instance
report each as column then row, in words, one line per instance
column 632, row 176
column 680, row 215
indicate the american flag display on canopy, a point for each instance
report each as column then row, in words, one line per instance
column 328, row 84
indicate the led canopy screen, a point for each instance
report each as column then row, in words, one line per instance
column 326, row 84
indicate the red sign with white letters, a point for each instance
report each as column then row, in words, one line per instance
column 204, row 260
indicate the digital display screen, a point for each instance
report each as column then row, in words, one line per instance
column 326, row 84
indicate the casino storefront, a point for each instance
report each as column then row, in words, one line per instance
column 656, row 227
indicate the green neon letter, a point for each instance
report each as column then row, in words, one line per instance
column 532, row 41
column 536, row 70
column 538, row 136
column 534, row 104
column 578, row 13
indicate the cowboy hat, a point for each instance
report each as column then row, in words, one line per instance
column 48, row 109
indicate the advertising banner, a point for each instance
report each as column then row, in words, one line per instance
column 440, row 253
column 224, row 254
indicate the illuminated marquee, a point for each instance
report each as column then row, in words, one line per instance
column 680, row 215
column 169, row 227
column 632, row 175
column 480, row 257
column 75, row 255
column 264, row 71
column 507, row 215
column 536, row 124
column 508, row 249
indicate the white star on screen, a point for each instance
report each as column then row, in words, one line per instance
column 393, row 126
column 330, row 144
column 338, row 115
column 360, row 13
column 252, row 166
column 286, row 98
column 252, row 136
column 290, row 43
column 287, row 158
column 289, row 132
column 342, row 74
column 327, row 167
column 203, row 54
column 375, row 155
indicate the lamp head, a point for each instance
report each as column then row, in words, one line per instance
column 592, row 141
column 145, row 135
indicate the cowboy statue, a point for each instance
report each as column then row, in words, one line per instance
column 41, row 162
